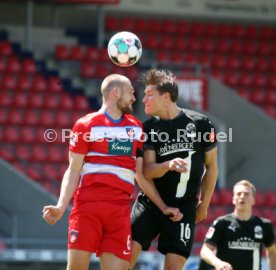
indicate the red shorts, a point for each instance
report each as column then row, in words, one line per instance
column 99, row 227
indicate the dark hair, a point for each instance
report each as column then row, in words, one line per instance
column 164, row 81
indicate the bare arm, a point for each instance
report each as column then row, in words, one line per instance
column 156, row 170
column 208, row 254
column 150, row 190
column 208, row 184
column 70, row 180
column 271, row 257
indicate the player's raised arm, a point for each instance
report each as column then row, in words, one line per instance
column 271, row 256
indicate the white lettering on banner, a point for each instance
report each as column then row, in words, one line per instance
column 249, row 9
column 191, row 91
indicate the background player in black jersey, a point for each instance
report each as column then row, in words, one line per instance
column 235, row 241
column 180, row 155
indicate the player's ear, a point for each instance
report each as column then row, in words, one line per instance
column 116, row 91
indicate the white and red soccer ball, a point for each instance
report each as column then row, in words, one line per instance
column 124, row 49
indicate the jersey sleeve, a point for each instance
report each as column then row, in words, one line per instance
column 214, row 233
column 79, row 139
column 208, row 134
column 269, row 236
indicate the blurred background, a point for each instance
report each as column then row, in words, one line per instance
column 52, row 60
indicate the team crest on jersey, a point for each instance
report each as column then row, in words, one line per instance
column 130, row 132
column 191, row 130
column 258, row 232
column 74, row 236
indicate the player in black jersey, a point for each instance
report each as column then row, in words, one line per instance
column 180, row 155
column 235, row 241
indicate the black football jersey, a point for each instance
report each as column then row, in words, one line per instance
column 240, row 242
column 187, row 136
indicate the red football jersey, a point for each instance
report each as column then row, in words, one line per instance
column 110, row 148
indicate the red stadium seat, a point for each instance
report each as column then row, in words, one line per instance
column 182, row 28
column 23, row 152
column 166, row 43
column 62, row 52
column 226, row 196
column 111, row 23
column 250, row 47
column 140, row 25
column 270, row 110
column 5, row 48
column 39, row 83
column 264, row 48
column 169, row 27
column 211, row 29
column 238, row 31
column 50, row 171
column 200, row 233
column 47, row 118
column 233, row 62
column 16, row 117
column 6, row 99
column 39, row 153
column 31, row 117
column 223, row 46
column 36, row 100
column 27, row 134
column 13, row 65
column 20, row 99
column 219, row 61
column 88, row 70
column 9, row 81
column 127, row 24
column 270, row 198
column 81, row 102
column 11, row 134
column 259, row 81
column 76, row 53
column 63, row 119
column 55, row 84
column 91, row 53
column 267, row 32
column 154, row 26
column 257, row 96
column 197, row 28
column 29, row 66
column 248, row 63
column 245, row 80
column 270, row 97
column 24, row 83
column 52, row 101
column 251, row 31
column 262, row 65
column 231, row 79
column 66, row 102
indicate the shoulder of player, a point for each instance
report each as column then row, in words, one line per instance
column 196, row 116
column 86, row 119
column 262, row 220
column 133, row 119
column 225, row 219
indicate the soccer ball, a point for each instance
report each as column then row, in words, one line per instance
column 124, row 49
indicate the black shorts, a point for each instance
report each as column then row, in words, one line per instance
column 174, row 237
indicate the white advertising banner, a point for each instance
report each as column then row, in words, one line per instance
column 229, row 9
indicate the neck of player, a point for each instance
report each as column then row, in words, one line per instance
column 112, row 110
column 243, row 215
column 170, row 112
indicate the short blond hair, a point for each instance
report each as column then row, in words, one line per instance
column 246, row 183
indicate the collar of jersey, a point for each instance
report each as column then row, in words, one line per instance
column 113, row 120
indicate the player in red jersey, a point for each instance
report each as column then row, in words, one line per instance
column 103, row 157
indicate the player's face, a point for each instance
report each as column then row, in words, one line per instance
column 126, row 99
column 243, row 197
column 153, row 101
